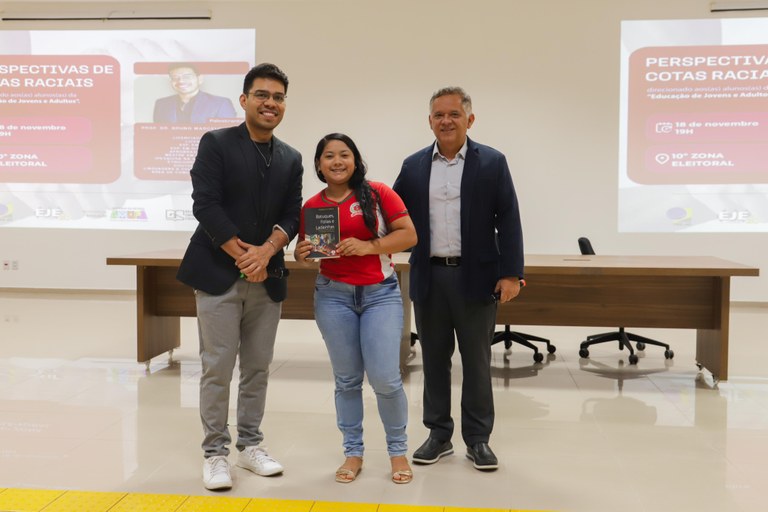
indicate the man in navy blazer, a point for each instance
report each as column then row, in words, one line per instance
column 246, row 191
column 469, row 255
column 190, row 104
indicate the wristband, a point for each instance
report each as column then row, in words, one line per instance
column 273, row 245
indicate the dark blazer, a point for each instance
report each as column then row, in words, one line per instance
column 231, row 198
column 206, row 106
column 488, row 208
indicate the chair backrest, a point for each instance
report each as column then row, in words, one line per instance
column 585, row 246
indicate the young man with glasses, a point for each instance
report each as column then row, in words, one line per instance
column 190, row 104
column 247, row 197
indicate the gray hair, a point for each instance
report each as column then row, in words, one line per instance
column 466, row 101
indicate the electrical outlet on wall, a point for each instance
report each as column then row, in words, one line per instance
column 14, row 264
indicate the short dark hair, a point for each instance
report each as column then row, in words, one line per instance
column 264, row 70
column 466, row 101
column 178, row 65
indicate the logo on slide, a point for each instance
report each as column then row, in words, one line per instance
column 128, row 214
column 739, row 216
column 44, row 212
column 95, row 214
column 680, row 216
column 175, row 215
column 6, row 212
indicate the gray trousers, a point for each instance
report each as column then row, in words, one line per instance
column 240, row 322
column 443, row 319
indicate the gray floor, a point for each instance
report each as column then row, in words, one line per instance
column 77, row 412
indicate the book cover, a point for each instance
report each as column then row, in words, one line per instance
column 322, row 231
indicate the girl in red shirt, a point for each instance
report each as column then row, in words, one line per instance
column 358, row 307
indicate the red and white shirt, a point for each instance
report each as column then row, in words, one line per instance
column 359, row 270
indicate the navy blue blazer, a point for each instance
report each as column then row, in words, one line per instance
column 231, row 198
column 491, row 232
column 206, row 106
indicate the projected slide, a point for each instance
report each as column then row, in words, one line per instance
column 694, row 126
column 98, row 129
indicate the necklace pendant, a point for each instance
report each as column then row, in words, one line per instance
column 266, row 162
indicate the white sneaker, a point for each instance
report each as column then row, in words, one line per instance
column 216, row 473
column 256, row 459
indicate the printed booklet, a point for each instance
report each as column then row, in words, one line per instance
column 322, row 231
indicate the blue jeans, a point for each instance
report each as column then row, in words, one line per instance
column 362, row 326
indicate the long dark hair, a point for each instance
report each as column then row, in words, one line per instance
column 366, row 196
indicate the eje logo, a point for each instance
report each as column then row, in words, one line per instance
column 49, row 213
column 734, row 215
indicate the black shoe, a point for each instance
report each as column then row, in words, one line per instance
column 431, row 451
column 482, row 457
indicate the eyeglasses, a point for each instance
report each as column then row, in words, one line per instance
column 263, row 96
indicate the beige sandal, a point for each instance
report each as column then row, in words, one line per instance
column 401, row 476
column 404, row 476
column 346, row 475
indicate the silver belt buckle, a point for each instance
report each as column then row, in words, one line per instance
column 451, row 261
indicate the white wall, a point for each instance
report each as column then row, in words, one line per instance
column 544, row 77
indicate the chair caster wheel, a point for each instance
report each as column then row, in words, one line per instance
column 551, row 349
column 633, row 359
column 538, row 357
column 669, row 354
column 584, row 353
column 640, row 345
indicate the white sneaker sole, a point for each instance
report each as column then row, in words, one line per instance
column 260, row 472
column 487, row 467
column 445, row 453
column 218, row 486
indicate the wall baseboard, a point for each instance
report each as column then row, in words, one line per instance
column 64, row 293
column 749, row 303
column 89, row 294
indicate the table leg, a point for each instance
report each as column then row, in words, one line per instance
column 712, row 344
column 155, row 334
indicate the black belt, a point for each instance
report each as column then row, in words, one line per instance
column 446, row 261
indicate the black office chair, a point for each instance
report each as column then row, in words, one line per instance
column 623, row 337
column 508, row 336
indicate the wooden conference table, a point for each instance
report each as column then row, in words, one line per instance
column 686, row 292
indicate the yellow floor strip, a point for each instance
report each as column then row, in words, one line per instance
column 27, row 500
column 214, row 504
column 460, row 509
column 409, row 508
column 267, row 505
column 37, row 500
column 149, row 503
column 331, row 506
column 85, row 501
